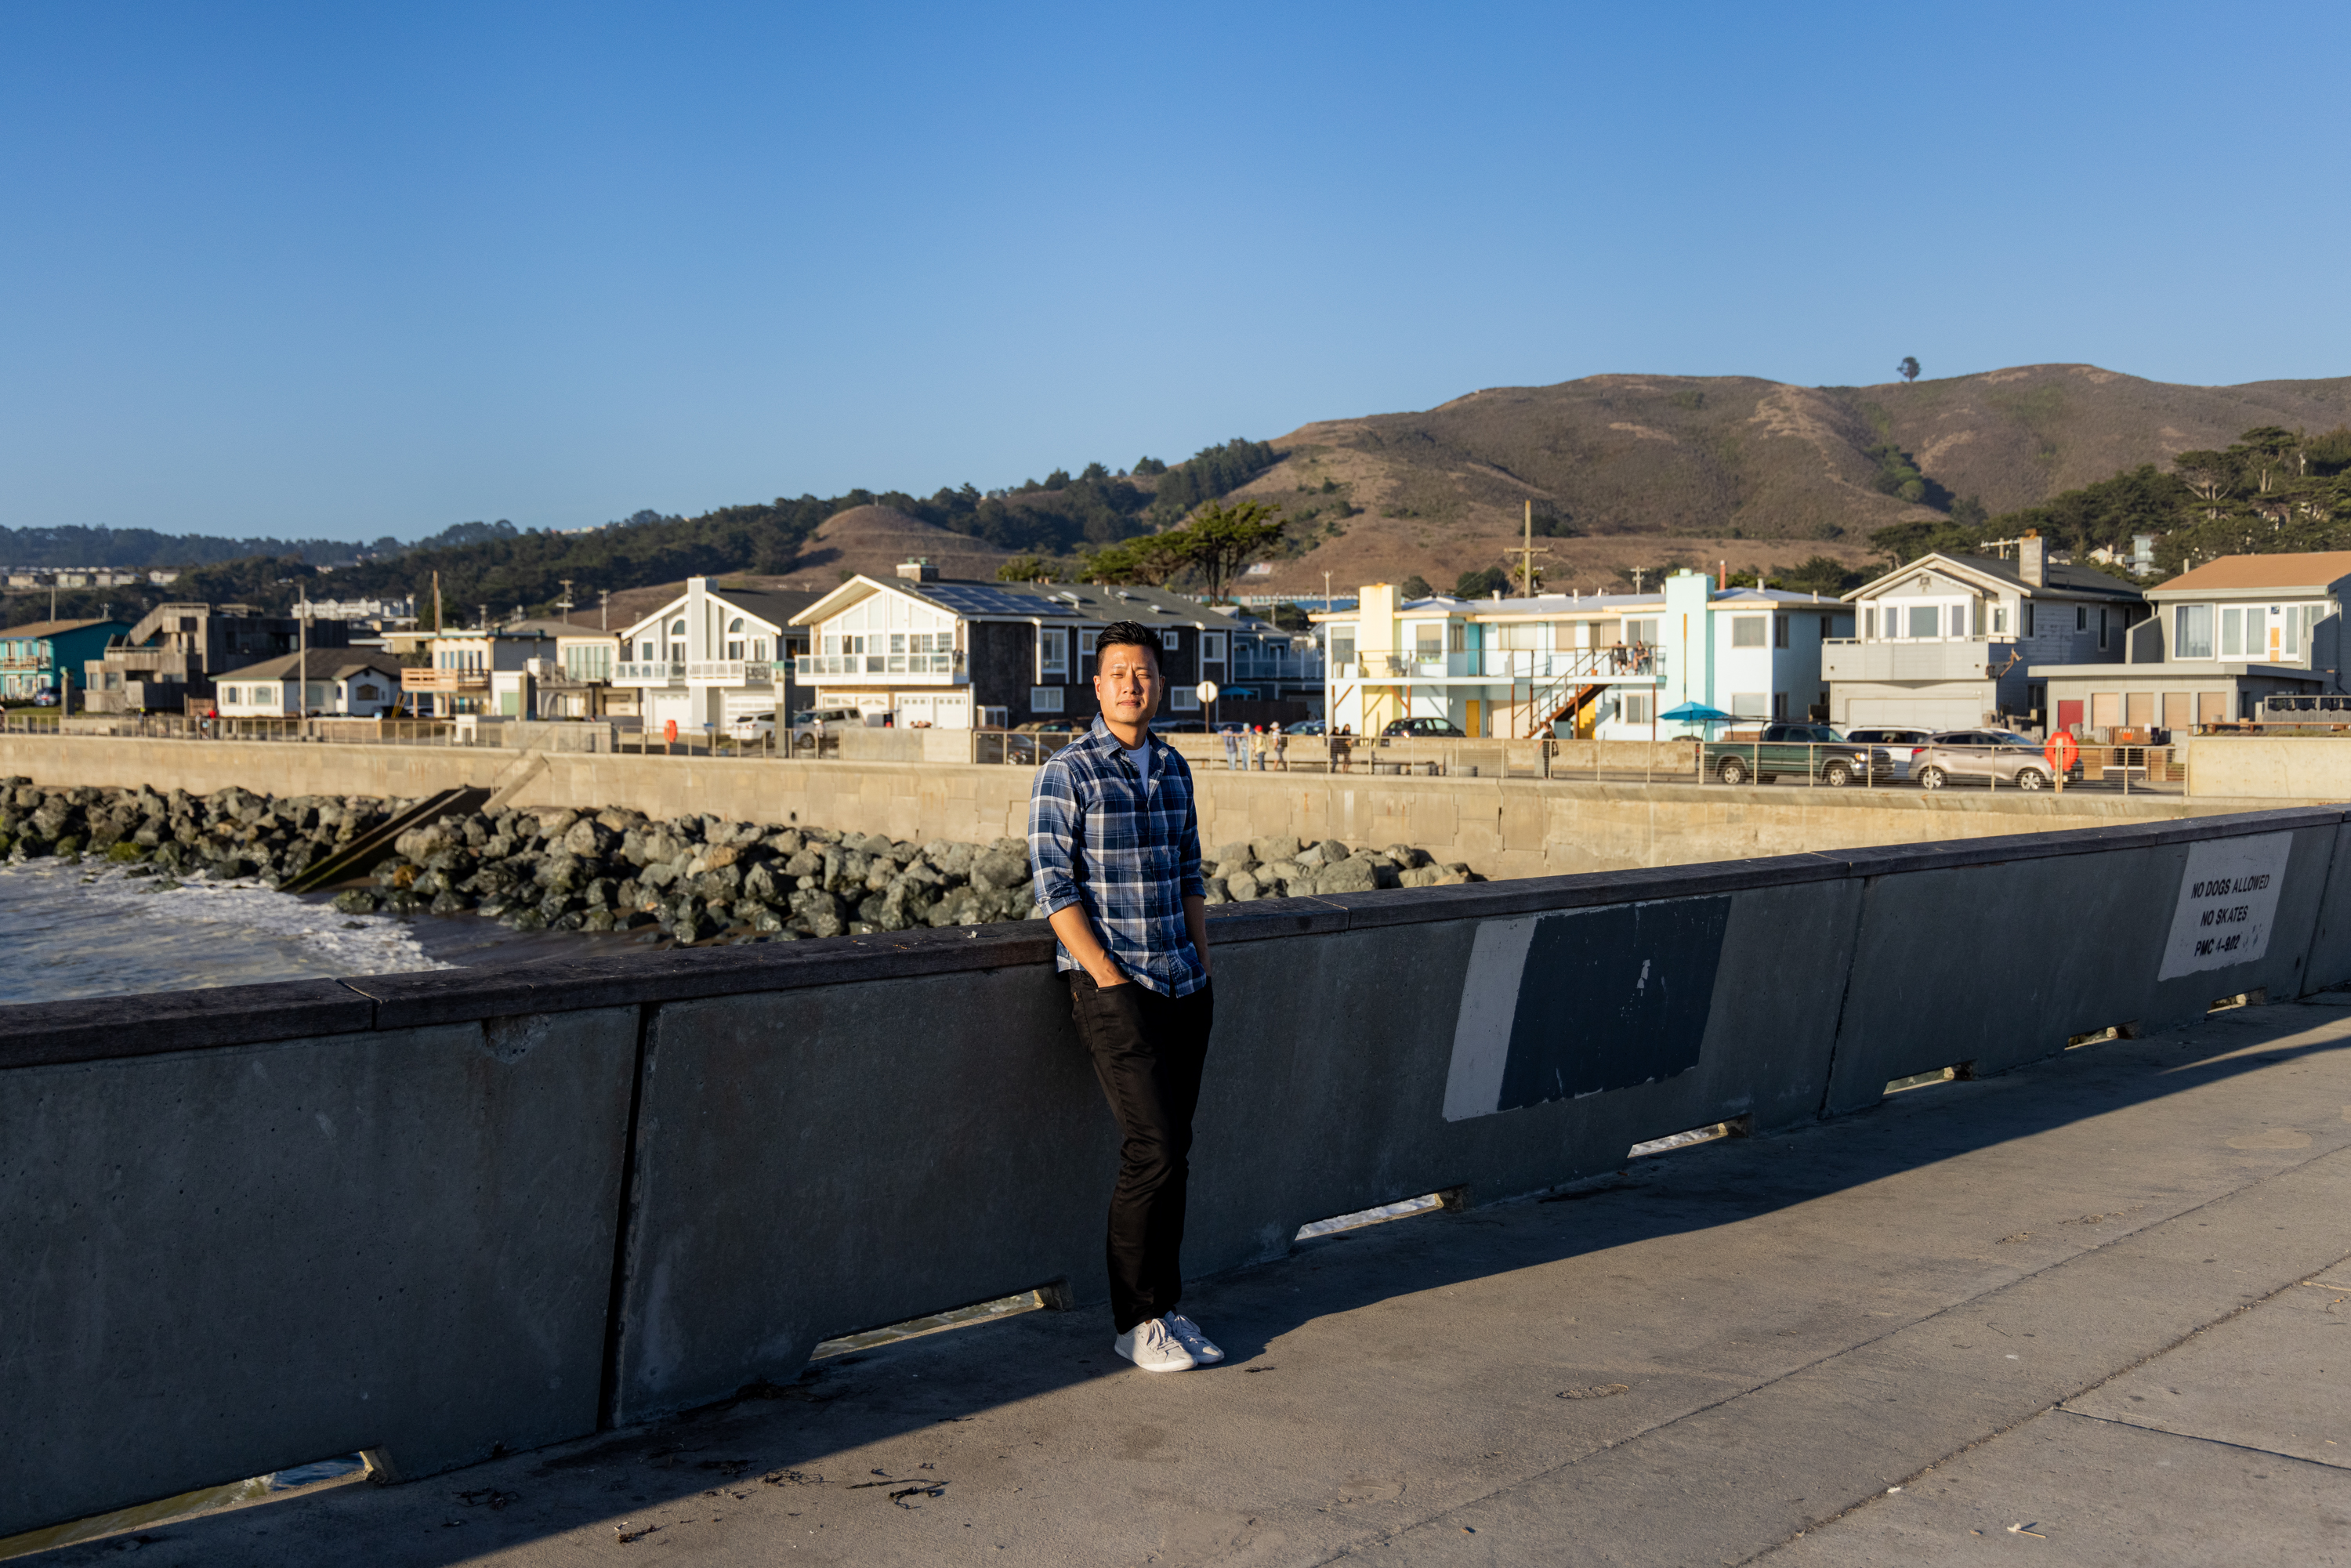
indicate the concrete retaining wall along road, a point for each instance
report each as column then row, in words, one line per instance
column 1499, row 827
column 2271, row 767
column 433, row 1214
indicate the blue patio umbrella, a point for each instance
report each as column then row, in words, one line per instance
column 1696, row 713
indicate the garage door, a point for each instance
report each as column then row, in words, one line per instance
column 1920, row 713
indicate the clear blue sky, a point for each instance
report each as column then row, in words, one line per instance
column 348, row 270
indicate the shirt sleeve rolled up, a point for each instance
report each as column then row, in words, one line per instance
column 1053, row 837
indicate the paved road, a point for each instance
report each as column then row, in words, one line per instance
column 2095, row 1299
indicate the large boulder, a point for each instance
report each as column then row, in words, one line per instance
column 1001, row 867
column 1354, row 874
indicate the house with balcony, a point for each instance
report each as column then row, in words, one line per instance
column 341, row 681
column 1576, row 665
column 169, row 659
column 1269, row 664
column 1952, row 642
column 479, row 671
column 711, row 656
column 2222, row 637
column 960, row 656
column 46, row 655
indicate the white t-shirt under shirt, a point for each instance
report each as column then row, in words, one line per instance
column 1140, row 756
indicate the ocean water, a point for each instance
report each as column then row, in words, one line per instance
column 91, row 930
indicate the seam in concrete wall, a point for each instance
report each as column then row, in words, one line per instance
column 607, row 1392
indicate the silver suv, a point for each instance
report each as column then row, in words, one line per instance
column 1996, row 756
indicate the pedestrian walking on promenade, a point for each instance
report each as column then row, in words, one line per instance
column 1115, row 841
column 1233, row 749
column 1257, row 748
column 1342, row 742
column 1281, row 749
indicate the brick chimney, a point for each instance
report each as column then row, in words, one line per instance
column 2030, row 558
column 921, row 571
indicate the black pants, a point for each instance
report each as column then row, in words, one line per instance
column 1148, row 1050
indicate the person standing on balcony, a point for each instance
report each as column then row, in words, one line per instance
column 1114, row 842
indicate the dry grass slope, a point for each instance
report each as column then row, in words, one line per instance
column 1701, row 469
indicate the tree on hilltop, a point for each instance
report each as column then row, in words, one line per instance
column 1908, row 369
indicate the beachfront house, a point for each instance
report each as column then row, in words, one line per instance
column 37, row 657
column 711, row 656
column 169, row 659
column 1578, row 665
column 1953, row 641
column 480, row 670
column 922, row 650
column 2222, row 637
column 342, row 682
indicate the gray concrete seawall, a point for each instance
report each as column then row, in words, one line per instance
column 438, row 1215
column 1499, row 827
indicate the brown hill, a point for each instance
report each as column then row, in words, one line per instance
column 874, row 539
column 1648, row 469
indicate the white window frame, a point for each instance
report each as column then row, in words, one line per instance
column 1212, row 647
column 2181, row 639
column 1183, row 699
column 1046, row 699
column 1750, row 631
column 1171, row 639
column 1086, row 643
column 1053, row 651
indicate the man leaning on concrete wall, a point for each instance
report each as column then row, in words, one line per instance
column 1115, row 840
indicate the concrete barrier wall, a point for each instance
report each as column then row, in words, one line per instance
column 2271, row 767
column 1499, row 827
column 433, row 1214
column 228, row 1261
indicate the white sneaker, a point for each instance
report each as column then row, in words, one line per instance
column 1150, row 1346
column 1187, row 1334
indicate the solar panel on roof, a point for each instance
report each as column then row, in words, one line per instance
column 975, row 599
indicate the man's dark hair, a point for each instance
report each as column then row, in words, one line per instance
column 1134, row 633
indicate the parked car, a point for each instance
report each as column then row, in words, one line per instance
column 754, row 727
column 1046, row 727
column 45, row 698
column 1815, row 749
column 1994, row 756
column 1440, row 728
column 833, row 719
column 1180, row 726
column 1309, row 726
column 1900, row 741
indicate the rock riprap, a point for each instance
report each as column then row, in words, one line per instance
column 231, row 833
column 694, row 878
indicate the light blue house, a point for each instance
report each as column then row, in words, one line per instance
column 1578, row 665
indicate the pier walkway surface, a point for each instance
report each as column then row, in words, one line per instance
column 2083, row 1312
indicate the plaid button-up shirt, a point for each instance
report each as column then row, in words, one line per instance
column 1126, row 849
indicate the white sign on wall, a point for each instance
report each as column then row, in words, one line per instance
column 2228, row 902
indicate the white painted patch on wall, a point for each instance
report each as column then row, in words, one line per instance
column 1489, row 1006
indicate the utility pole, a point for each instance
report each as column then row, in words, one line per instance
column 1638, row 573
column 302, row 665
column 1527, row 553
column 604, row 611
column 436, row 603
column 564, row 603
column 1326, row 593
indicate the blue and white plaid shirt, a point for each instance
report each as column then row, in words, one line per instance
column 1126, row 849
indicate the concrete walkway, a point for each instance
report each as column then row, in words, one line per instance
column 2093, row 1300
